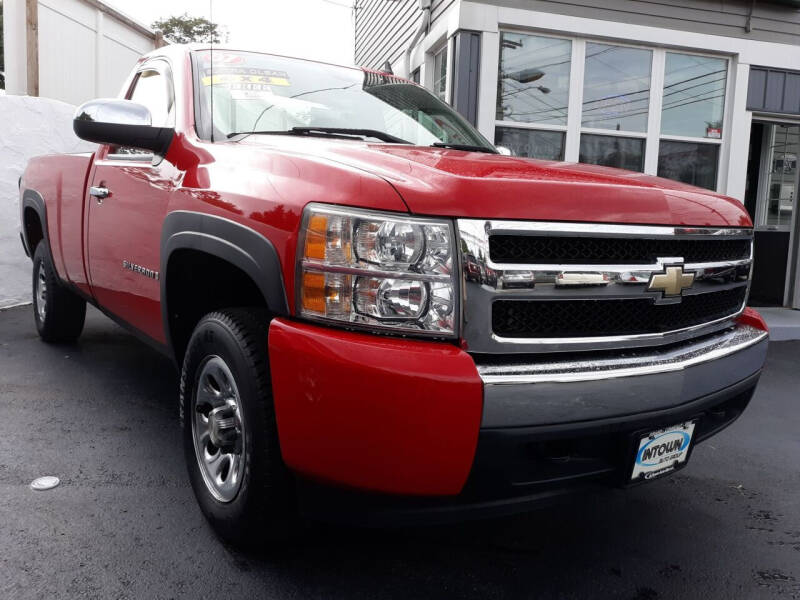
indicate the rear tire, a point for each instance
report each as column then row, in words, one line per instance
column 229, row 430
column 58, row 311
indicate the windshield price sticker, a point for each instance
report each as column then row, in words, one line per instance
column 245, row 78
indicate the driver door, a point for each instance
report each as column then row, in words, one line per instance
column 128, row 198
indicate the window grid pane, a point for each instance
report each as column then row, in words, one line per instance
column 694, row 95
column 532, row 143
column 613, row 151
column 616, row 87
column 533, row 82
column 689, row 162
column 440, row 74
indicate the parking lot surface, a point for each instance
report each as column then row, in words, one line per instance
column 102, row 416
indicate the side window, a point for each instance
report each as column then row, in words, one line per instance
column 154, row 90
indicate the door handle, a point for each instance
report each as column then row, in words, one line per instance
column 99, row 192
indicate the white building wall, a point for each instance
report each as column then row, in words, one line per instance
column 31, row 127
column 86, row 49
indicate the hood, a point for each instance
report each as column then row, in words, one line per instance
column 454, row 183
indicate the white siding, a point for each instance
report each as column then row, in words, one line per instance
column 66, row 53
column 86, row 49
column 384, row 28
column 770, row 21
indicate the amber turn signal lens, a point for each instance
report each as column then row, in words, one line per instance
column 316, row 233
column 314, row 292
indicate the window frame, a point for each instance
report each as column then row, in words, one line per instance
column 652, row 137
column 429, row 72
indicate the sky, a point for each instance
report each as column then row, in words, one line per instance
column 315, row 29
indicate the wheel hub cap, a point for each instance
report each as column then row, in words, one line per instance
column 222, row 429
column 218, row 429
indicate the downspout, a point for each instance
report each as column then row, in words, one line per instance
column 425, row 7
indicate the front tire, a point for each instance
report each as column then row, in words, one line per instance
column 230, row 435
column 58, row 311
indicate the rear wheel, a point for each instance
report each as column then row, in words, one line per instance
column 230, row 435
column 58, row 311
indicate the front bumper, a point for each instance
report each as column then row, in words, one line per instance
column 521, row 468
column 418, row 427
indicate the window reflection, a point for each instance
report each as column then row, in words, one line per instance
column 616, row 87
column 782, row 181
column 533, row 85
column 440, row 74
column 547, row 145
column 689, row 162
column 152, row 90
column 694, row 95
column 612, row 151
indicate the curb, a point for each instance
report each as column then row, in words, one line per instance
column 17, row 305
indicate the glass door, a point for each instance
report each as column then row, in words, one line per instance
column 779, row 176
column 771, row 197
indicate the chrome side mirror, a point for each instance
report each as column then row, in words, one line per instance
column 121, row 123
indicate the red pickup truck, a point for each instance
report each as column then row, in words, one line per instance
column 376, row 315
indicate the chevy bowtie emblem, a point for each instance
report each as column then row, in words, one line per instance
column 671, row 282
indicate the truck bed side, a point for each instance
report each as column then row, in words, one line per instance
column 53, row 190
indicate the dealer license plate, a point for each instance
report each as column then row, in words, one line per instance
column 662, row 451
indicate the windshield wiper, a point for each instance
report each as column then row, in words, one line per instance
column 465, row 147
column 343, row 132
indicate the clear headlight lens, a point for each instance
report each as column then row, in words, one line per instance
column 377, row 270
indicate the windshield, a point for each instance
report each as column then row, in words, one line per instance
column 265, row 93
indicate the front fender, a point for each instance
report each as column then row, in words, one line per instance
column 230, row 241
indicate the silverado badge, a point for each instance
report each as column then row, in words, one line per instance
column 671, row 282
column 126, row 264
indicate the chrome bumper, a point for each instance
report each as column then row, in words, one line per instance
column 554, row 390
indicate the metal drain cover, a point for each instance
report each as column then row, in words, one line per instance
column 48, row 482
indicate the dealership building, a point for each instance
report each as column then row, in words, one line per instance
column 706, row 92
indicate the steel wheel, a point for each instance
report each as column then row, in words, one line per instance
column 218, row 429
column 40, row 293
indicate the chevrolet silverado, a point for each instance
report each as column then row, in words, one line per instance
column 375, row 314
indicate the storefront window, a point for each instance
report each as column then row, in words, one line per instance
column 533, row 86
column 440, row 74
column 689, row 162
column 676, row 128
column 694, row 96
column 612, row 151
column 547, row 145
column 616, row 87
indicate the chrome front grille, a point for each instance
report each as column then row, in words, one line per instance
column 528, row 290
column 521, row 249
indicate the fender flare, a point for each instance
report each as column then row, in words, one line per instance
column 33, row 200
column 237, row 244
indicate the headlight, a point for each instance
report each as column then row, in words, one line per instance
column 377, row 270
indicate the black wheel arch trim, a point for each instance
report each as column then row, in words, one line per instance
column 237, row 244
column 33, row 200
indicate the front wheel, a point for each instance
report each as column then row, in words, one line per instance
column 58, row 311
column 230, row 435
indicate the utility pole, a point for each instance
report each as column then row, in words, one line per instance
column 32, row 45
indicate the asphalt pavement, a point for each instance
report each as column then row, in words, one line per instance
column 102, row 416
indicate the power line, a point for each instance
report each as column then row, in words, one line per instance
column 633, row 101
